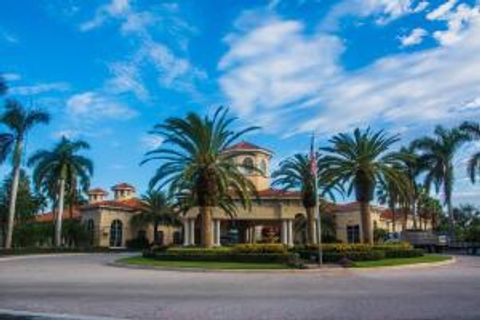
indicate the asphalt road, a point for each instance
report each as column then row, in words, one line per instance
column 83, row 285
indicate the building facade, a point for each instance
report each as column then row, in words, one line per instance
column 275, row 216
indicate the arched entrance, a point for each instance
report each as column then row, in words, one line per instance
column 116, row 233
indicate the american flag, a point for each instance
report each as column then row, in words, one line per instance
column 313, row 158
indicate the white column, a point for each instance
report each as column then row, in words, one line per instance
column 217, row 232
column 186, row 232
column 284, row 232
column 290, row 232
column 192, row 232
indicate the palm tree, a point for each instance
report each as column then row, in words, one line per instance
column 296, row 173
column 198, row 166
column 156, row 211
column 473, row 131
column 361, row 161
column 410, row 167
column 436, row 160
column 60, row 168
column 19, row 121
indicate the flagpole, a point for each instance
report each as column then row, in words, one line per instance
column 317, row 208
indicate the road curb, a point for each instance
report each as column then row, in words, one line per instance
column 410, row 266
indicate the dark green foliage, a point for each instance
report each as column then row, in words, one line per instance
column 335, row 257
column 138, row 243
column 393, row 254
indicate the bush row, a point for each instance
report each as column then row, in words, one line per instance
column 356, row 247
column 334, row 257
column 45, row 250
column 290, row 259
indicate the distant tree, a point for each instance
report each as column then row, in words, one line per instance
column 27, row 202
column 61, row 167
column 361, row 160
column 157, row 211
column 19, row 122
column 436, row 160
column 472, row 129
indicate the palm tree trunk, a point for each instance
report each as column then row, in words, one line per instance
column 207, row 235
column 366, row 222
column 414, row 213
column 311, row 225
column 13, row 194
column 58, row 225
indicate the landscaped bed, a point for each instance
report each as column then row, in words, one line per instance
column 213, row 265
column 271, row 255
column 429, row 258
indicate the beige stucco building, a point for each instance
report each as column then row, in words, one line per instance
column 276, row 216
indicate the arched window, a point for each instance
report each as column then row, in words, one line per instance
column 116, row 233
column 263, row 167
column 248, row 165
column 91, row 231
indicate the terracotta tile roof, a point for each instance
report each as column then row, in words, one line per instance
column 244, row 145
column 274, row 193
column 97, row 191
column 127, row 204
column 123, row 186
column 49, row 216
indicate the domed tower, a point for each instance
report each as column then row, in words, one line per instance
column 123, row 191
column 259, row 158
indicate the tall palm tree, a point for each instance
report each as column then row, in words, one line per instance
column 199, row 164
column 361, row 160
column 62, row 167
column 473, row 131
column 436, row 160
column 295, row 173
column 410, row 166
column 157, row 210
column 19, row 121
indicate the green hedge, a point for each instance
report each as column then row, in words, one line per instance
column 40, row 250
column 334, row 257
column 290, row 259
column 392, row 254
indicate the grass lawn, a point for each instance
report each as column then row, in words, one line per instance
column 202, row 264
column 401, row 261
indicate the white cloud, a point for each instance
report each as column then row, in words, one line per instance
column 458, row 22
column 276, row 66
column 142, row 27
column 384, row 11
column 92, row 106
column 113, row 9
column 11, row 76
column 151, row 142
column 271, row 78
column 39, row 88
column 415, row 37
column 441, row 11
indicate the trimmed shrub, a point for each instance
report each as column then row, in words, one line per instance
column 196, row 250
column 47, row 250
column 222, row 256
column 335, row 257
column 406, row 253
column 138, row 243
column 260, row 248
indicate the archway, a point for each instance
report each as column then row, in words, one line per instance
column 116, row 233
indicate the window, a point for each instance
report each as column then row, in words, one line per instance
column 248, row 165
column 116, row 233
column 263, row 167
column 177, row 237
column 353, row 234
column 91, row 231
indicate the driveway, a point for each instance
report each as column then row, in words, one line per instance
column 83, row 285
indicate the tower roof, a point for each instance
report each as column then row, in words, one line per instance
column 247, row 146
column 123, row 186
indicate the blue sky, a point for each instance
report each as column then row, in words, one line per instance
column 109, row 70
